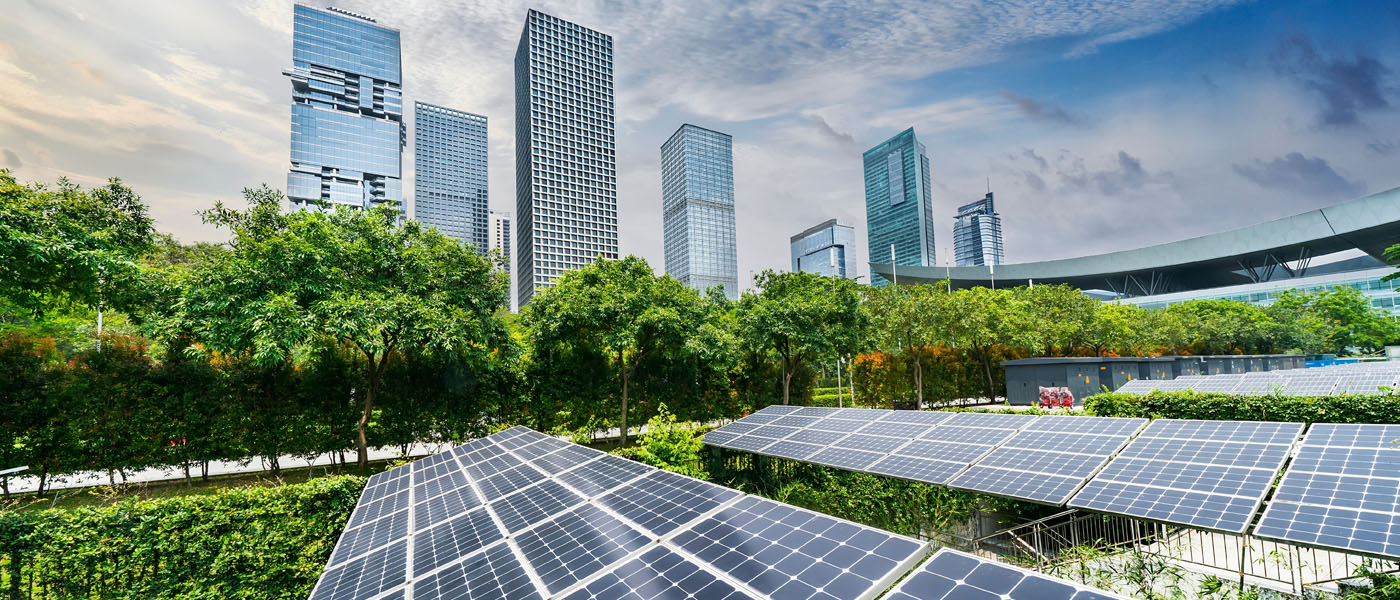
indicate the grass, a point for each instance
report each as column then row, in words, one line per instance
column 104, row 495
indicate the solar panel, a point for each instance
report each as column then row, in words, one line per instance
column 1367, row 383
column 1136, row 386
column 1206, row 474
column 953, row 575
column 1050, row 459
column 781, row 551
column 1259, row 385
column 1219, row 384
column 1342, row 491
column 545, row 520
column 1311, row 385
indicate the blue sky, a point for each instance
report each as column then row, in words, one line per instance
column 1102, row 125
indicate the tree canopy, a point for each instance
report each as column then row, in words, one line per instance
column 801, row 317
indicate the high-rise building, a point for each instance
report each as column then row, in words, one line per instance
column 347, row 110
column 697, row 204
column 449, row 173
column 565, row 152
column 898, row 203
column 500, row 234
column 977, row 234
column 825, row 249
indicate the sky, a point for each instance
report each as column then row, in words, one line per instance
column 1099, row 125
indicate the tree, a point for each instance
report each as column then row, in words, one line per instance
column 1352, row 321
column 1113, row 326
column 68, row 244
column 907, row 317
column 980, row 319
column 617, row 309
column 353, row 276
column 802, row 317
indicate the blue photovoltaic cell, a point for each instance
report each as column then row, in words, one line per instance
column 797, row 420
column 917, row 469
column 372, row 510
column 663, row 501
column 862, row 414
column 541, row 448
column 963, row 454
column 953, row 575
column 993, row 420
column 452, row 540
column 750, row 443
column 785, row 552
column 577, row 544
column 907, row 431
column 354, row 542
column 1048, row 460
column 1341, row 492
column 719, row 437
column 568, row 458
column 854, row 460
column 922, row 417
column 659, row 574
column 534, row 504
column 814, row 436
column 508, row 481
column 1198, row 473
column 870, row 443
column 792, row 450
column 814, row 411
column 366, row 576
column 495, row 574
column 440, row 508
column 776, row 432
column 603, row 475
column 968, row 435
column 839, row 425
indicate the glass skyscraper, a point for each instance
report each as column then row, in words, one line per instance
column 449, row 173
column 826, row 249
column 347, row 110
column 697, row 202
column 565, row 152
column 898, row 203
column 977, row 234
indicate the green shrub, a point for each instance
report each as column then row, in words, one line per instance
column 669, row 445
column 1376, row 408
column 253, row 543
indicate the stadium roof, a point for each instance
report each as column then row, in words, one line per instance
column 1261, row 252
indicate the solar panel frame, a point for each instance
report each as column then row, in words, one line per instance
column 1050, row 459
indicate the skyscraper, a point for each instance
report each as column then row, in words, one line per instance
column 977, row 234
column 449, row 172
column 697, row 203
column 347, row 110
column 898, row 203
column 565, row 152
column 828, row 249
column 500, row 234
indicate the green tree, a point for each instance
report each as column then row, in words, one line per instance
column 616, row 309
column 353, row 276
column 67, row 244
column 1113, row 326
column 802, row 317
column 1355, row 323
column 906, row 319
column 979, row 320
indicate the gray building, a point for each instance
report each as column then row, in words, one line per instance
column 899, row 203
column 977, row 234
column 347, row 110
column 449, row 173
column 500, row 234
column 565, row 151
column 825, row 249
column 697, row 202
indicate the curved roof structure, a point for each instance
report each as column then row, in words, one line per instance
column 1246, row 255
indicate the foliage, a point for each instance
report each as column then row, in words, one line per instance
column 670, row 445
column 69, row 244
column 291, row 279
column 255, row 543
column 1378, row 408
column 620, row 312
column 802, row 317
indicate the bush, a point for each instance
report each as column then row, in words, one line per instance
column 253, row 543
column 1376, row 408
column 669, row 445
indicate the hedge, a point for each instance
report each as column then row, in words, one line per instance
column 1374, row 408
column 252, row 543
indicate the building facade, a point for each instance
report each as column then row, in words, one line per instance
column 449, row 173
column 566, row 153
column 697, row 203
column 977, row 234
column 899, row 203
column 347, row 111
column 1382, row 294
column 825, row 249
column 500, row 234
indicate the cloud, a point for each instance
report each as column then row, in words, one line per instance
column 1384, row 147
column 87, row 71
column 11, row 159
column 1125, row 173
column 1034, row 181
column 1041, row 111
column 1039, row 160
column 1296, row 172
column 1347, row 87
column 840, row 138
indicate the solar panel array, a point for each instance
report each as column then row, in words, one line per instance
column 1206, row 474
column 1049, row 459
column 953, row 575
column 1341, row 491
column 521, row 515
column 1355, row 378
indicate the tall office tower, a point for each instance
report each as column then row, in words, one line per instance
column 697, row 201
column 565, row 153
column 347, row 111
column 977, row 234
column 500, row 234
column 898, row 203
column 826, row 249
column 449, row 173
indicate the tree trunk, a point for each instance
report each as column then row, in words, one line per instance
column 787, row 380
column 43, row 477
column 622, row 372
column 5, row 484
column 361, row 447
column 919, row 380
column 987, row 369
